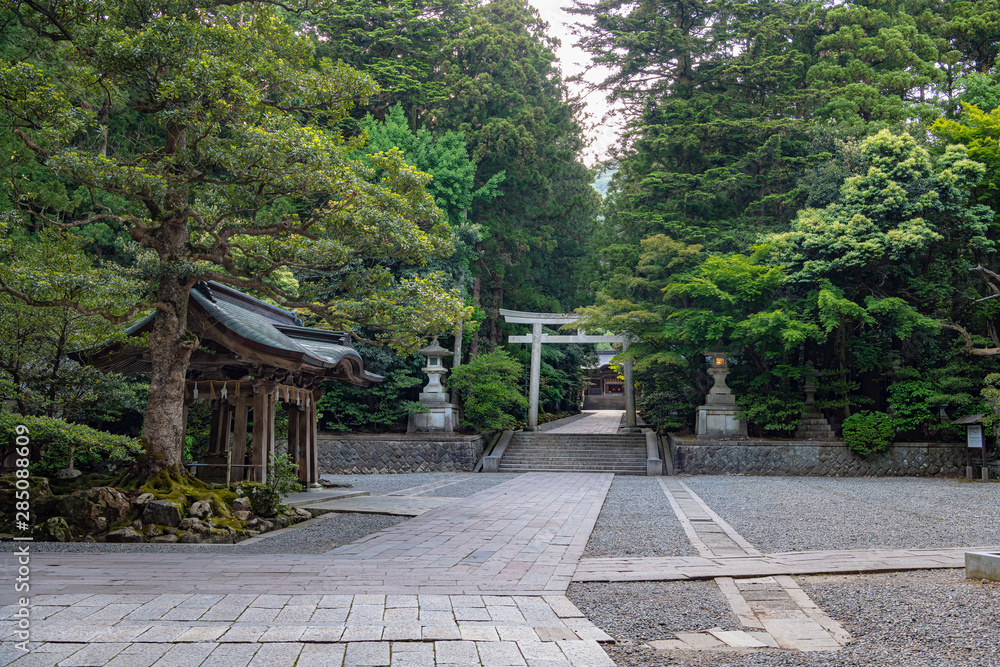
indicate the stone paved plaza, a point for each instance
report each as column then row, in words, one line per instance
column 529, row 570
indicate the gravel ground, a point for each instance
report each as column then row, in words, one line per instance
column 636, row 520
column 817, row 513
column 905, row 619
column 311, row 537
column 473, row 485
column 643, row 611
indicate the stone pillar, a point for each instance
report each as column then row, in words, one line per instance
column 534, row 378
column 629, row 388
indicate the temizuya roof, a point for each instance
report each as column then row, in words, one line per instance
column 259, row 336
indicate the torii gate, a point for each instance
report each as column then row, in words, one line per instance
column 536, row 338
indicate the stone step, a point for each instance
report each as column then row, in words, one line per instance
column 584, row 439
column 620, row 471
column 591, row 450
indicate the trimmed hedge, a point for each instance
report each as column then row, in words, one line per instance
column 869, row 432
column 58, row 439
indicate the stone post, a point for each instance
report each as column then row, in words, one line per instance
column 534, row 378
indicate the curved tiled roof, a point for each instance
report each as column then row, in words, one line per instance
column 270, row 329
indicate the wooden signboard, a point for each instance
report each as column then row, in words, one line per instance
column 974, row 436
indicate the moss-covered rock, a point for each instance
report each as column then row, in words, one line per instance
column 162, row 512
column 264, row 501
column 55, row 529
column 94, row 509
column 127, row 534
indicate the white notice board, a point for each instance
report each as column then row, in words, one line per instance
column 974, row 437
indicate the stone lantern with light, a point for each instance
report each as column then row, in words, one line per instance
column 717, row 418
column 441, row 415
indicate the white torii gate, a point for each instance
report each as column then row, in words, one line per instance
column 536, row 338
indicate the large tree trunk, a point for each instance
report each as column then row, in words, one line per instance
column 170, row 348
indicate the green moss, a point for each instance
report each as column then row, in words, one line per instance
column 235, row 524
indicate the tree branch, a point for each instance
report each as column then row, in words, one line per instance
column 71, row 303
column 970, row 347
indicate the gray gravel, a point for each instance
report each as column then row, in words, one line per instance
column 636, row 520
column 817, row 513
column 907, row 619
column 310, row 537
column 643, row 611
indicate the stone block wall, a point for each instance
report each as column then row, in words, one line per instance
column 341, row 453
column 823, row 459
column 612, row 402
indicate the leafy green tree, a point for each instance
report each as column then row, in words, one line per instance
column 490, row 386
column 979, row 131
column 398, row 43
column 383, row 407
column 226, row 174
column 508, row 99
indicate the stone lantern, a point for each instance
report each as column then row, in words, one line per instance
column 717, row 418
column 441, row 414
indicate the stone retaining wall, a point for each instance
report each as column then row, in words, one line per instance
column 353, row 453
column 824, row 459
column 615, row 402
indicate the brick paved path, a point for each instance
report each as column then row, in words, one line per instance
column 593, row 421
column 477, row 582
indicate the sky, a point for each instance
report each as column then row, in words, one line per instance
column 573, row 61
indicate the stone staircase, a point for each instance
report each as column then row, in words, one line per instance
column 814, row 426
column 624, row 454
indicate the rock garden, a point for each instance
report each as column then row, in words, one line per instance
column 164, row 509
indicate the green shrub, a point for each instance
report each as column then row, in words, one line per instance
column 489, row 385
column 282, row 475
column 868, row 432
column 59, row 441
column 911, row 405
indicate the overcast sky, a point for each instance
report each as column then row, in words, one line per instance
column 572, row 61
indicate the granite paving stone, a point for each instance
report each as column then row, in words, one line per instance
column 276, row 655
column 367, row 654
column 144, row 655
column 500, row 654
column 321, row 655
column 185, row 655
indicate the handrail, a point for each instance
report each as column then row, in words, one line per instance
column 491, row 463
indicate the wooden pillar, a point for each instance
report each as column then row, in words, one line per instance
column 270, row 404
column 220, row 426
column 240, row 438
column 312, row 470
column 293, row 433
column 302, row 426
column 263, row 429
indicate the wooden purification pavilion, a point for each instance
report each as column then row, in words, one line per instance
column 252, row 356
